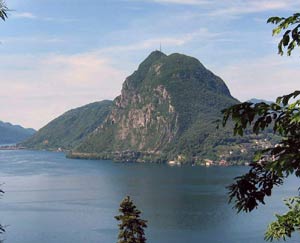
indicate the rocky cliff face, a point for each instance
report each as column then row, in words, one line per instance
column 150, row 123
column 161, row 112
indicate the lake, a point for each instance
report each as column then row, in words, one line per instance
column 49, row 198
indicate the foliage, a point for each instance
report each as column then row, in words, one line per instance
column 271, row 166
column 291, row 37
column 285, row 224
column 131, row 226
column 3, row 10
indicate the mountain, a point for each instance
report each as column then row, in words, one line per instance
column 166, row 111
column 10, row 134
column 69, row 129
column 255, row 101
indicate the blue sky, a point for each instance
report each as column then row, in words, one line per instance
column 58, row 55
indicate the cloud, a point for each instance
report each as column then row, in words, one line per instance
column 40, row 88
column 154, row 43
column 184, row 2
column 227, row 8
column 32, row 16
column 267, row 77
column 23, row 15
column 246, row 7
column 31, row 39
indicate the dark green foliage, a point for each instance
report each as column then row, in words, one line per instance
column 271, row 165
column 3, row 10
column 131, row 227
column 10, row 134
column 291, row 37
column 69, row 129
column 287, row 223
column 276, row 163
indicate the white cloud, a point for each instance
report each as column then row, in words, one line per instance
column 266, row 78
column 31, row 39
column 32, row 16
column 23, row 15
column 245, row 7
column 36, row 89
column 171, row 41
column 229, row 8
column 43, row 86
column 184, row 2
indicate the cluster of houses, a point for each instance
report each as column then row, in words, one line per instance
column 205, row 162
column 208, row 163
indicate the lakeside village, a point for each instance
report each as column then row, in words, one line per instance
column 240, row 154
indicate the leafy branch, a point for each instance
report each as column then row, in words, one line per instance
column 272, row 165
column 3, row 10
column 291, row 37
column 287, row 223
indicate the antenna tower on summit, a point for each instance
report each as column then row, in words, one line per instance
column 160, row 46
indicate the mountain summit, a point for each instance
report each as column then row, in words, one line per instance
column 165, row 112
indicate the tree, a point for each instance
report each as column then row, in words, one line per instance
column 271, row 166
column 131, row 226
column 291, row 37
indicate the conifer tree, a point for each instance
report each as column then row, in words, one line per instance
column 131, row 227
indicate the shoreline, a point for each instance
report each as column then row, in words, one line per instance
column 127, row 157
column 11, row 147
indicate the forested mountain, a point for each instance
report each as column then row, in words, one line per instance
column 10, row 134
column 166, row 111
column 69, row 129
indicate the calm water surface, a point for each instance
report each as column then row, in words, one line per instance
column 53, row 199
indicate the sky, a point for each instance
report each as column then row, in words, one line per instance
column 59, row 55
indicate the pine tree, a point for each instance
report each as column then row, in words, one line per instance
column 131, row 226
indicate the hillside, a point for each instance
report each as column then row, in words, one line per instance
column 10, row 134
column 69, row 129
column 166, row 111
column 255, row 101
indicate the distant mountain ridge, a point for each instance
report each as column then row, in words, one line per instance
column 255, row 101
column 69, row 129
column 11, row 134
column 166, row 111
